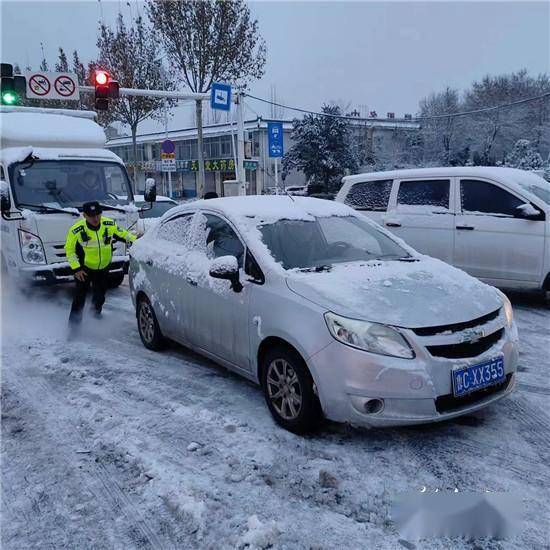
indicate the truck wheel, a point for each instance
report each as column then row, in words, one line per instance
column 115, row 280
column 148, row 327
column 289, row 390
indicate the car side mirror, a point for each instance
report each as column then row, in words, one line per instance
column 527, row 211
column 227, row 267
column 150, row 194
column 5, row 201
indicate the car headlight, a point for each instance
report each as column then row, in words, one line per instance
column 372, row 337
column 32, row 250
column 508, row 311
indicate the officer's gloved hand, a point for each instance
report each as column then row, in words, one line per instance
column 80, row 275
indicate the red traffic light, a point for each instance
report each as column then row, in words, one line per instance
column 101, row 78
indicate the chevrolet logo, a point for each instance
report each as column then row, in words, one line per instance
column 473, row 335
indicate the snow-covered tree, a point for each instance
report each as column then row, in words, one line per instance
column 130, row 54
column 524, row 156
column 209, row 41
column 322, row 148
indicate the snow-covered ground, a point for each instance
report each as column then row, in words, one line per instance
column 108, row 445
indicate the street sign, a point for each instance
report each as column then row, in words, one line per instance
column 220, row 97
column 275, row 139
column 168, row 162
column 168, row 146
column 47, row 85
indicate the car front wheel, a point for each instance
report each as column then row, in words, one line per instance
column 149, row 330
column 289, row 391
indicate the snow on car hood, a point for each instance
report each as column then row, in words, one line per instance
column 416, row 294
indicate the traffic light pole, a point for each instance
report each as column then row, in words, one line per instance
column 238, row 100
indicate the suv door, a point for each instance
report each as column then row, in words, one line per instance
column 370, row 197
column 220, row 315
column 424, row 216
column 490, row 241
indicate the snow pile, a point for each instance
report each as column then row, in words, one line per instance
column 259, row 535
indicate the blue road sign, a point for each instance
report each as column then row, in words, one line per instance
column 275, row 139
column 220, row 97
column 168, row 146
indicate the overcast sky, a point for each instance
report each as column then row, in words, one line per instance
column 384, row 56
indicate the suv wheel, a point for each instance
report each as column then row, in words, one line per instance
column 288, row 391
column 148, row 327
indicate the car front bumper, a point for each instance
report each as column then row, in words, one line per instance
column 411, row 391
column 61, row 272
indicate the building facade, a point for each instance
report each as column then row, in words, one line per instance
column 220, row 141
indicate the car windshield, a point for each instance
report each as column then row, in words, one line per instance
column 70, row 183
column 325, row 241
column 158, row 209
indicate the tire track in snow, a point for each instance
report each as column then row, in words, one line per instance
column 37, row 390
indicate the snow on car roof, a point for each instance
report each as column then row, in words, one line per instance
column 513, row 177
column 11, row 155
column 271, row 208
column 44, row 129
column 160, row 198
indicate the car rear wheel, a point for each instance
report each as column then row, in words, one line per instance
column 148, row 327
column 289, row 391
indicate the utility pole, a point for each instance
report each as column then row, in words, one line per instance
column 240, row 144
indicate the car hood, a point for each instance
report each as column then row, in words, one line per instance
column 414, row 294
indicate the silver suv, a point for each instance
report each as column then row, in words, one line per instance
column 331, row 314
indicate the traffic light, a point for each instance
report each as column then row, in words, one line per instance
column 105, row 89
column 12, row 88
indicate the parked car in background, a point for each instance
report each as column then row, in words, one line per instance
column 326, row 310
column 491, row 222
column 147, row 215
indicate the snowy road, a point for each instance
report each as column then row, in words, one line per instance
column 108, row 445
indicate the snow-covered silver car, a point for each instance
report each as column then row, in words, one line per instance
column 328, row 311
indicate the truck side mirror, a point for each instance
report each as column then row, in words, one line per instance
column 528, row 212
column 5, row 201
column 150, row 194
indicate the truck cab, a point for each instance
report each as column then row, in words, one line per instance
column 51, row 162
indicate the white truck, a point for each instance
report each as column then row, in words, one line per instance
column 51, row 162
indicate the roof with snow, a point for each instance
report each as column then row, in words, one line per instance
column 269, row 208
column 45, row 128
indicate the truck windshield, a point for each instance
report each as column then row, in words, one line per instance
column 70, row 183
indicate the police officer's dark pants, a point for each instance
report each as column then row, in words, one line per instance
column 97, row 280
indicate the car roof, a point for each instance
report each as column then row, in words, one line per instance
column 267, row 208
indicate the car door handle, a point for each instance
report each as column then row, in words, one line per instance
column 465, row 227
column 393, row 224
column 191, row 281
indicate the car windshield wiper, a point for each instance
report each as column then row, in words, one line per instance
column 396, row 258
column 316, row 268
column 43, row 208
column 111, row 207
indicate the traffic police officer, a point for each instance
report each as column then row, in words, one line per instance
column 89, row 249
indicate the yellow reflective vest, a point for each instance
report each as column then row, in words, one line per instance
column 93, row 248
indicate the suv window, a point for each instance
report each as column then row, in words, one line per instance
column 370, row 195
column 432, row 193
column 177, row 230
column 485, row 198
column 221, row 240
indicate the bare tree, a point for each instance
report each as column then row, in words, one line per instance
column 130, row 55
column 209, row 41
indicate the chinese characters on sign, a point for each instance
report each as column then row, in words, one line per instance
column 212, row 165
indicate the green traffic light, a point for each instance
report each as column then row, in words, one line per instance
column 9, row 98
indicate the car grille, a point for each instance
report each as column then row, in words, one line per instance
column 466, row 349
column 448, row 403
column 456, row 327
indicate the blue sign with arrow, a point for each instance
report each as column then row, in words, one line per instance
column 275, row 139
column 220, row 96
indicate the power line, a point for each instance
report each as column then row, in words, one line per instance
column 418, row 118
